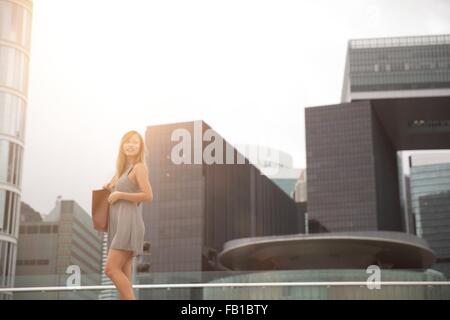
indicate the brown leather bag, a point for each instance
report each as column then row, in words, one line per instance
column 100, row 209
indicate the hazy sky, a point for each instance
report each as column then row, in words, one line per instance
column 102, row 67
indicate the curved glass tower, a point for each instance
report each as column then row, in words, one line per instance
column 15, row 30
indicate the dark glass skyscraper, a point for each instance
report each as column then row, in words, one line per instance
column 351, row 152
column 430, row 197
column 398, row 94
column 197, row 207
column 435, row 212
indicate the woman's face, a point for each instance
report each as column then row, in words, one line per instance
column 132, row 146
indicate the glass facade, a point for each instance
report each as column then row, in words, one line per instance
column 174, row 218
column 397, row 64
column 340, row 174
column 287, row 185
column 351, row 152
column 198, row 207
column 329, row 292
column 15, row 32
column 427, row 180
column 430, row 203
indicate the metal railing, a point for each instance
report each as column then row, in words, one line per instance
column 223, row 285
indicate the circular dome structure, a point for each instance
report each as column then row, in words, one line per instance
column 340, row 250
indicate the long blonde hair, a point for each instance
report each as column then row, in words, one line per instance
column 121, row 157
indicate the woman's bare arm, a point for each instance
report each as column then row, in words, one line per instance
column 144, row 185
column 107, row 185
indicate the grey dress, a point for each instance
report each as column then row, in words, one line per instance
column 126, row 227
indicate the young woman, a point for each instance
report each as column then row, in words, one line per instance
column 129, row 187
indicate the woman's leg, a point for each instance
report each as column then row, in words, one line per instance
column 113, row 269
column 127, row 269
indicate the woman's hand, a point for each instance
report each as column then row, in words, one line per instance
column 113, row 197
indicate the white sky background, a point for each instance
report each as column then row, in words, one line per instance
column 102, row 67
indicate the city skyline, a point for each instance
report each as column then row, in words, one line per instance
column 266, row 60
column 304, row 140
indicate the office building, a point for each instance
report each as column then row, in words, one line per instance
column 275, row 164
column 395, row 97
column 430, row 204
column 15, row 32
column 300, row 189
column 200, row 204
column 51, row 250
column 106, row 294
column 398, row 67
column 352, row 158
